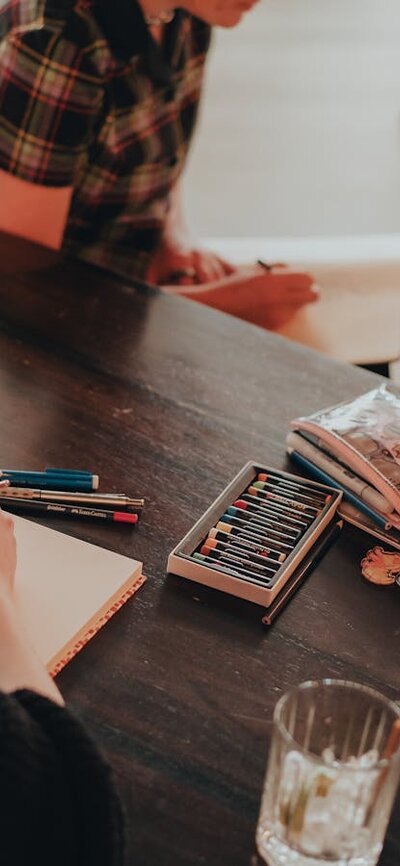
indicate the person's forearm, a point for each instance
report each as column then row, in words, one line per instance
column 36, row 213
column 20, row 667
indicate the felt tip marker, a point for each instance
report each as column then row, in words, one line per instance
column 48, row 481
column 81, row 473
column 74, row 511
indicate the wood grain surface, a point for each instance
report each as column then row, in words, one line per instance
column 167, row 399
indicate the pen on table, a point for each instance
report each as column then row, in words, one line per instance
column 350, row 497
column 50, row 480
column 56, row 508
column 92, row 499
column 325, row 540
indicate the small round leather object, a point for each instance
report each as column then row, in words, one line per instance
column 381, row 567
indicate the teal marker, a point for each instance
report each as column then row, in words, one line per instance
column 78, row 473
column 49, row 481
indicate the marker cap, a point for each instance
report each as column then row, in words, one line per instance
column 125, row 517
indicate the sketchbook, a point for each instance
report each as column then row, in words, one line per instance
column 67, row 589
column 357, row 318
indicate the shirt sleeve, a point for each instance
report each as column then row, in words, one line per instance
column 58, row 802
column 50, row 99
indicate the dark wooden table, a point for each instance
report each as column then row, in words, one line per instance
column 167, row 399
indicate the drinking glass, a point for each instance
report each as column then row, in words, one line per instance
column 332, row 775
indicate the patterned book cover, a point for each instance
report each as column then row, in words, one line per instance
column 364, row 434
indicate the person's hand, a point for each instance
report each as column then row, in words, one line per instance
column 24, row 668
column 176, row 263
column 8, row 552
column 268, row 298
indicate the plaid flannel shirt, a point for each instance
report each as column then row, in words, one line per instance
column 89, row 100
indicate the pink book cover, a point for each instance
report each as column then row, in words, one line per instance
column 364, row 434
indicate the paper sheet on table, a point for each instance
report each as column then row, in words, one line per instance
column 357, row 318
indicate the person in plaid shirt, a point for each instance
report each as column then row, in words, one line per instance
column 98, row 103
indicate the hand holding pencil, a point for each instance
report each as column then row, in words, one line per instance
column 265, row 295
column 8, row 550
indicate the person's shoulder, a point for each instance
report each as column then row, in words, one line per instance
column 73, row 19
column 40, row 23
column 19, row 16
column 201, row 35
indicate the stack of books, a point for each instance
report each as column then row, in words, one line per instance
column 355, row 447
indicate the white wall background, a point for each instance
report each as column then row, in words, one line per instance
column 300, row 128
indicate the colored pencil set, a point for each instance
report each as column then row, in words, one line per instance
column 258, row 534
column 70, row 493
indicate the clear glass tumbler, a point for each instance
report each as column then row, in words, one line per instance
column 332, row 775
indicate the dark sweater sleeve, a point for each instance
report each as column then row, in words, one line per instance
column 58, row 803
